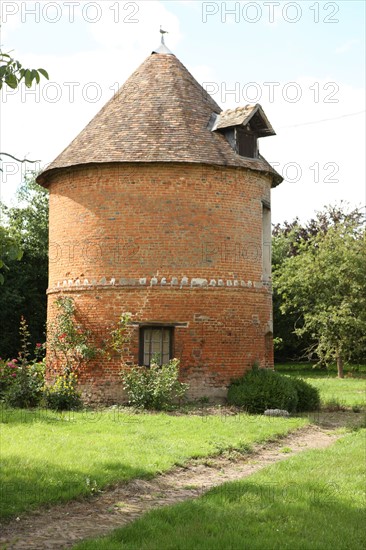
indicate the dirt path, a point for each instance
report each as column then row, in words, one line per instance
column 64, row 525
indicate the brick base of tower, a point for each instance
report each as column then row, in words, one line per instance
column 218, row 334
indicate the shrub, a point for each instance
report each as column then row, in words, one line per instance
column 155, row 387
column 63, row 394
column 22, row 379
column 26, row 389
column 308, row 396
column 261, row 389
column 8, row 372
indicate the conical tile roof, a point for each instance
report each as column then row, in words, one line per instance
column 160, row 114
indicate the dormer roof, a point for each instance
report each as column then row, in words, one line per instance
column 241, row 116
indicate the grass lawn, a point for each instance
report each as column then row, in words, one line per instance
column 347, row 391
column 48, row 457
column 314, row 500
column 309, row 369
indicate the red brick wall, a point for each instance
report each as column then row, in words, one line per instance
column 172, row 243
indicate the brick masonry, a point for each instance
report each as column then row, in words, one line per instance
column 170, row 243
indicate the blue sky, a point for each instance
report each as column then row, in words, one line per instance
column 245, row 50
column 314, row 65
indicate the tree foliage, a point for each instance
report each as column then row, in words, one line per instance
column 12, row 72
column 9, row 250
column 288, row 240
column 323, row 284
column 26, row 278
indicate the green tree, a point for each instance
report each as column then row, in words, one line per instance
column 9, row 250
column 325, row 281
column 286, row 240
column 24, row 290
column 287, row 344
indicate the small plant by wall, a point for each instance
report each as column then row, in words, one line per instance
column 63, row 394
column 155, row 387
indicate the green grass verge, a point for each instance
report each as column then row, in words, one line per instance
column 310, row 369
column 347, row 391
column 48, row 457
column 314, row 500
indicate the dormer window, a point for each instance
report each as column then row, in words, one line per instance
column 246, row 143
column 242, row 127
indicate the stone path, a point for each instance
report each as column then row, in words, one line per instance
column 62, row 526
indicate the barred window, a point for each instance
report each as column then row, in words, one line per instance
column 156, row 343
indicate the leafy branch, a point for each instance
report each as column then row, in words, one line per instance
column 12, row 72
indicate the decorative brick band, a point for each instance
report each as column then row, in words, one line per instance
column 144, row 282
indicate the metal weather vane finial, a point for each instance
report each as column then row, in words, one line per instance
column 162, row 32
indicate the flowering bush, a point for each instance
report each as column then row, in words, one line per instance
column 155, row 387
column 22, row 380
column 26, row 389
column 8, row 371
column 63, row 395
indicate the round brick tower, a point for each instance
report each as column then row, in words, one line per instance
column 161, row 207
